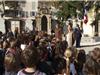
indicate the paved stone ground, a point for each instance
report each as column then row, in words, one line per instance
column 89, row 43
column 88, row 48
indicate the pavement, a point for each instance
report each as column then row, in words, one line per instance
column 88, row 48
column 89, row 43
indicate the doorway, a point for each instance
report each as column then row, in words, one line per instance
column 44, row 23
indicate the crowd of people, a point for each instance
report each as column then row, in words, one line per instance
column 37, row 53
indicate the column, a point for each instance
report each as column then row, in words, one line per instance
column 38, row 22
column 28, row 25
column 49, row 24
column 2, row 25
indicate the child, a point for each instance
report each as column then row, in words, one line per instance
column 30, row 60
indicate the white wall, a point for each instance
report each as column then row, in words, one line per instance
column 2, row 25
column 31, row 5
column 28, row 25
column 87, row 28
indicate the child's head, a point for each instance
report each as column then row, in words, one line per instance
column 30, row 56
column 96, row 53
column 9, row 61
column 5, row 44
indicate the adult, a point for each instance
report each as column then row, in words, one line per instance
column 92, row 65
column 10, row 33
column 81, row 58
column 2, row 54
column 1, row 34
column 70, row 36
column 16, row 32
column 78, row 36
column 58, row 32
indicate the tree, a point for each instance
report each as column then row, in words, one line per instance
column 68, row 9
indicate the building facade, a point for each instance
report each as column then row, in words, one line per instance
column 43, row 17
column 28, row 14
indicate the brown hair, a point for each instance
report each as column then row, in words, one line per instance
column 10, row 62
column 96, row 52
column 30, row 56
column 5, row 44
column 91, row 66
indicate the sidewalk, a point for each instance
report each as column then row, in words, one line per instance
column 90, row 41
column 89, row 44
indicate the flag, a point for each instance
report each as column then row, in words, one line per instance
column 85, row 19
column 85, row 16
